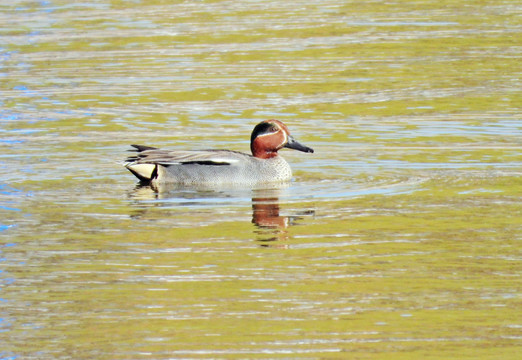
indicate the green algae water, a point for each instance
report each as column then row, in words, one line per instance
column 399, row 238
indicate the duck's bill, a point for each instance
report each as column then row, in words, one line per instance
column 293, row 144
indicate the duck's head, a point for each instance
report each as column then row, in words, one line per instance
column 269, row 136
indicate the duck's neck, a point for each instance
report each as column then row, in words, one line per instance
column 263, row 154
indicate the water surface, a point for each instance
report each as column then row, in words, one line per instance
column 398, row 238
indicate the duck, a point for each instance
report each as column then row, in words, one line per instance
column 219, row 167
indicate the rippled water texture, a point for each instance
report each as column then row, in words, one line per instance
column 399, row 238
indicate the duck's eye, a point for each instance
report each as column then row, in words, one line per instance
column 267, row 128
column 264, row 128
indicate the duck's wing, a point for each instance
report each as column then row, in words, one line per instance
column 150, row 155
column 144, row 162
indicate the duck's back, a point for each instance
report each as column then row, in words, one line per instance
column 206, row 167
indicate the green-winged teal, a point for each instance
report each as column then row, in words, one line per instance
column 220, row 167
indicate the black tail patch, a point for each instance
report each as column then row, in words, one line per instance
column 141, row 148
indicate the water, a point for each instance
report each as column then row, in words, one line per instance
column 399, row 237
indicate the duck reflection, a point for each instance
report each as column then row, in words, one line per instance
column 271, row 226
column 265, row 215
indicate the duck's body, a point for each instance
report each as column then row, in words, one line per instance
column 220, row 167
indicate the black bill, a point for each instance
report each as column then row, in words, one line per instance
column 293, row 144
